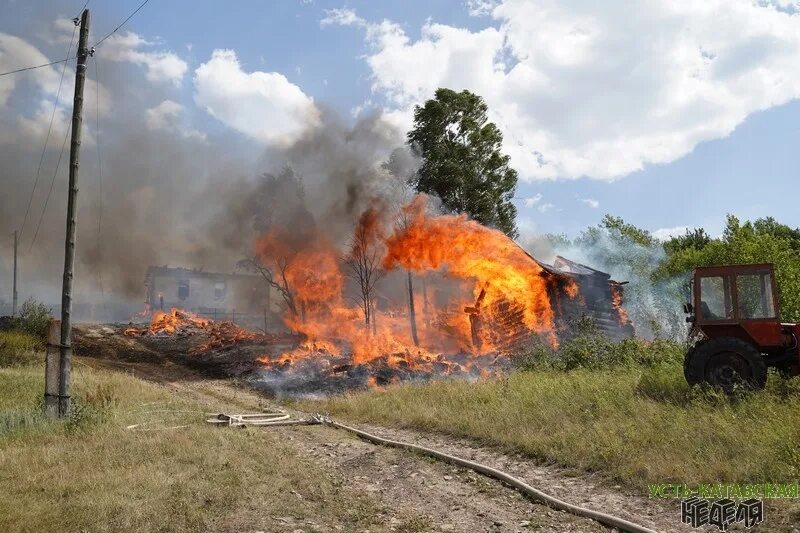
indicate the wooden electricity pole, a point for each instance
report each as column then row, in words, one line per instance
column 65, row 349
column 14, row 289
column 412, row 314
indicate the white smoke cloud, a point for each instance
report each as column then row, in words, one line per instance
column 262, row 105
column 597, row 89
column 166, row 116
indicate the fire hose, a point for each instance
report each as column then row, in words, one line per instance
column 517, row 484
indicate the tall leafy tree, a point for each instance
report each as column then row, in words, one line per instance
column 461, row 159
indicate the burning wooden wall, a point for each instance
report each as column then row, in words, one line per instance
column 575, row 291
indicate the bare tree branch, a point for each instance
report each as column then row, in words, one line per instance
column 282, row 286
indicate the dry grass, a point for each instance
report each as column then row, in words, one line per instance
column 18, row 347
column 638, row 425
column 90, row 473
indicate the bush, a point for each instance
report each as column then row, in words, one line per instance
column 587, row 348
column 18, row 347
column 34, row 318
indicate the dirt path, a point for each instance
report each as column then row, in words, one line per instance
column 422, row 494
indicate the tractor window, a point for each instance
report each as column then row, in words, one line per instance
column 754, row 294
column 715, row 298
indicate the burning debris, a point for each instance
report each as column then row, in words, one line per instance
column 180, row 323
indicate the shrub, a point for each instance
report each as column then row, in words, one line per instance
column 34, row 318
column 587, row 348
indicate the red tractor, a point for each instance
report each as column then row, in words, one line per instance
column 735, row 314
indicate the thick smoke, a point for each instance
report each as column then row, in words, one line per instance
column 171, row 199
column 652, row 302
column 325, row 180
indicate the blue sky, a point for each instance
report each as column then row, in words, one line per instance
column 723, row 145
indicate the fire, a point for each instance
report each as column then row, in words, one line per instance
column 616, row 300
column 181, row 322
column 501, row 270
column 478, row 271
column 474, row 291
column 169, row 322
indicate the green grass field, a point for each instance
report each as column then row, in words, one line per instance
column 90, row 473
column 638, row 424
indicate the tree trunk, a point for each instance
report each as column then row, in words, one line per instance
column 412, row 315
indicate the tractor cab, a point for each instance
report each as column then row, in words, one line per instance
column 735, row 310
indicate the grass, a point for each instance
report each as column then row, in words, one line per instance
column 18, row 347
column 637, row 423
column 91, row 473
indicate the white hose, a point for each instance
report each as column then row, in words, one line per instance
column 603, row 518
column 555, row 503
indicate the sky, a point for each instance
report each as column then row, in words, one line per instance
column 670, row 114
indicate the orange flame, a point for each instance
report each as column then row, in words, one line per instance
column 616, row 300
column 484, row 272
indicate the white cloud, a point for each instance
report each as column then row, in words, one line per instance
column 33, row 125
column 342, row 17
column 532, row 200
column 17, row 53
column 262, row 105
column 166, row 116
column 664, row 234
column 545, row 207
column 481, row 7
column 162, row 67
column 597, row 89
column 591, row 202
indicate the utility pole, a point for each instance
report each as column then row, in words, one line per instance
column 14, row 290
column 65, row 350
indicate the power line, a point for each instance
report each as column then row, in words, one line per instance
column 35, row 66
column 47, row 137
column 98, row 43
column 84, row 7
column 50, row 191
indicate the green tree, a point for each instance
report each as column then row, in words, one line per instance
column 763, row 241
column 461, row 159
column 696, row 238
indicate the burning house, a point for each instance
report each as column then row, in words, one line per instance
column 214, row 295
column 600, row 298
column 438, row 294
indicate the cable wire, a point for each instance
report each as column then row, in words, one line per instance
column 50, row 191
column 98, row 43
column 84, row 7
column 47, row 137
column 36, row 66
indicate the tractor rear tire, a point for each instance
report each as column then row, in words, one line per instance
column 725, row 362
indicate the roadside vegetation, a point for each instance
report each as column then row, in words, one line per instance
column 24, row 336
column 623, row 409
column 90, row 473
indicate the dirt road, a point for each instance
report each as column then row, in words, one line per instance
column 418, row 493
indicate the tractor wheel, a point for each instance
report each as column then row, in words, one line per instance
column 725, row 362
